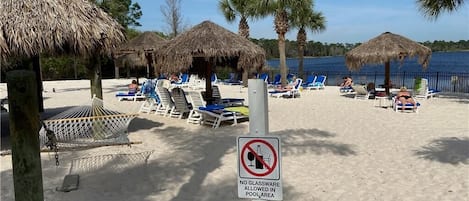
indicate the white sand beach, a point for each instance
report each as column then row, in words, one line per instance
column 333, row 148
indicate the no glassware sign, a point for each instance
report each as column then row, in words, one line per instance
column 259, row 168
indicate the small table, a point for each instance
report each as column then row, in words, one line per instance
column 380, row 99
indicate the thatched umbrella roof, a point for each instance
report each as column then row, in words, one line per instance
column 30, row 27
column 134, row 52
column 147, row 41
column 385, row 48
column 209, row 40
column 205, row 45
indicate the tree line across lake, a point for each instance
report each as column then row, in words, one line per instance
column 70, row 67
column 318, row 49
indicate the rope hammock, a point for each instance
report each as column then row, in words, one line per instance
column 94, row 124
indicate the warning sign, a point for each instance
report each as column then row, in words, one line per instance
column 259, row 168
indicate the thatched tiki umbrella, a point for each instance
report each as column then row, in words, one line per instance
column 205, row 45
column 27, row 29
column 385, row 48
column 31, row 27
column 139, row 50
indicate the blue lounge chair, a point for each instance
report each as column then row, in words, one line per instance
column 309, row 81
column 319, row 83
column 276, row 81
column 265, row 77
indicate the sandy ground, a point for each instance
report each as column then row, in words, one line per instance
column 333, row 148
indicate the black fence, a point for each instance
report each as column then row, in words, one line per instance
column 442, row 81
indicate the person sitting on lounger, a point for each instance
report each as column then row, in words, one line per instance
column 404, row 97
column 133, row 87
column 174, row 78
column 347, row 82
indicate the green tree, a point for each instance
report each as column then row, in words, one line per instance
column 303, row 17
column 126, row 13
column 433, row 8
column 243, row 9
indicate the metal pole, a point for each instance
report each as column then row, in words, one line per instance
column 258, row 108
column 24, row 131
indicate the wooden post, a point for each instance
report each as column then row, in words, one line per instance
column 94, row 73
column 37, row 69
column 24, row 131
column 387, row 75
column 208, row 82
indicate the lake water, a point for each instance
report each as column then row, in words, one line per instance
column 448, row 71
column 455, row 62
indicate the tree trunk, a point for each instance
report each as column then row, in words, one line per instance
column 301, row 40
column 283, row 64
column 24, row 129
column 94, row 73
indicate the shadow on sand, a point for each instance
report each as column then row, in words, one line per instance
column 450, row 150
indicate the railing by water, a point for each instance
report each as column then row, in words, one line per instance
column 442, row 81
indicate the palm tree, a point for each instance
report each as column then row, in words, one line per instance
column 433, row 8
column 305, row 18
column 244, row 9
column 280, row 10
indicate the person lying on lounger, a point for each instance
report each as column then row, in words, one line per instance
column 289, row 86
column 404, row 97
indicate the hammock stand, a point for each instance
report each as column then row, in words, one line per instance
column 97, row 124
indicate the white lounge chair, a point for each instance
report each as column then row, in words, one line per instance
column 294, row 92
column 210, row 114
column 360, row 91
column 423, row 91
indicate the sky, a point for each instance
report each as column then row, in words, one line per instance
column 347, row 21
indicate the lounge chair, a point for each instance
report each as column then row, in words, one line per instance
column 423, row 91
column 265, row 77
column 319, row 83
column 360, row 91
column 227, row 102
column 276, row 81
column 196, row 83
column 210, row 114
column 130, row 96
column 214, row 79
column 397, row 105
column 183, row 81
column 294, row 92
column 166, row 104
column 152, row 99
column 309, row 81
column 181, row 106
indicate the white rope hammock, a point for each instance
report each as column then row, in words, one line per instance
column 96, row 123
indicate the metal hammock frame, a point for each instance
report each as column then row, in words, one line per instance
column 89, row 125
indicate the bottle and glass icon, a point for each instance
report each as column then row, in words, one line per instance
column 260, row 156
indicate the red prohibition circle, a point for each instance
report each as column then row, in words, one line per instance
column 269, row 170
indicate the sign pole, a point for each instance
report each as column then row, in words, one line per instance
column 258, row 108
